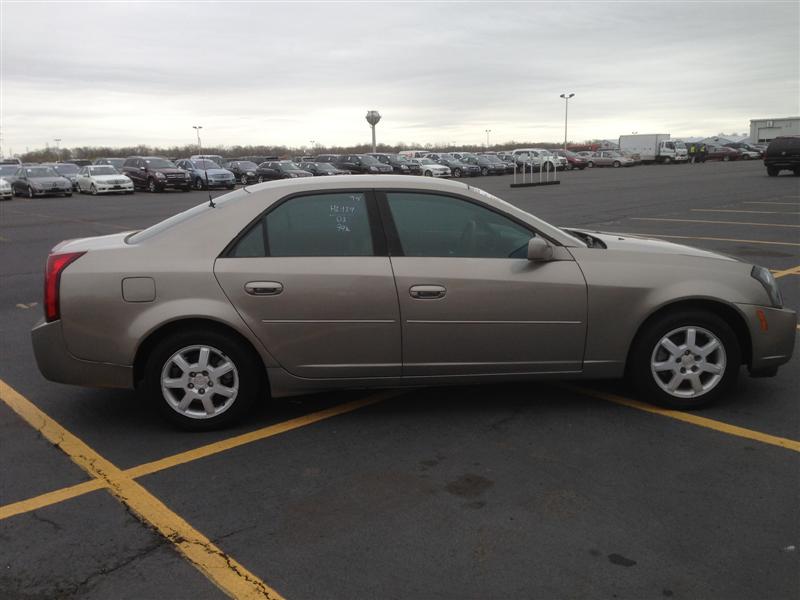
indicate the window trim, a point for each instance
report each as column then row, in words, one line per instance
column 379, row 242
column 395, row 247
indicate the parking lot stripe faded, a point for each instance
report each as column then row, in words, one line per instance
column 688, row 417
column 766, row 202
column 785, row 272
column 230, row 576
column 752, row 212
column 662, row 219
column 712, row 239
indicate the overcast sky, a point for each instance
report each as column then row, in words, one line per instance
column 287, row 73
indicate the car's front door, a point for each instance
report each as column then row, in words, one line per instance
column 470, row 301
column 314, row 283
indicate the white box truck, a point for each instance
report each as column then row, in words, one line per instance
column 654, row 147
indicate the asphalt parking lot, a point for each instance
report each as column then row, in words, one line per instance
column 495, row 491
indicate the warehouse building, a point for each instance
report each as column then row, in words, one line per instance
column 765, row 130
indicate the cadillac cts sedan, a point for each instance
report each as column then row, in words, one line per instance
column 302, row 285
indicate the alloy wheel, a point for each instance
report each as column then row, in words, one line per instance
column 199, row 382
column 688, row 362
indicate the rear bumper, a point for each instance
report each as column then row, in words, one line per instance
column 57, row 364
column 773, row 339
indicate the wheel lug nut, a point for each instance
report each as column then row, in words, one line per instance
column 202, row 391
column 191, row 385
column 205, row 373
column 191, row 374
column 683, row 370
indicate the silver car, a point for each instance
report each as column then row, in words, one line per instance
column 302, row 285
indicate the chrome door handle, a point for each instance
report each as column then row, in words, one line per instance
column 427, row 292
column 263, row 288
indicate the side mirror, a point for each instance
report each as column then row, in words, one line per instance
column 143, row 168
column 539, row 250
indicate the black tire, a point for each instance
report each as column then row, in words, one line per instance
column 645, row 344
column 198, row 183
column 456, row 172
column 428, row 174
column 260, row 179
column 251, row 377
column 130, row 192
column 187, row 188
column 726, row 158
column 796, row 172
column 590, row 164
column 152, row 187
column 68, row 195
column 617, row 164
column 243, row 179
column 773, row 171
column 484, row 171
column 667, row 160
column 93, row 190
column 30, row 192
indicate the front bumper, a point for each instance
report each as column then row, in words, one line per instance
column 772, row 335
column 107, row 188
column 57, row 364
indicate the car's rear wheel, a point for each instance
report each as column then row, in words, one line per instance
column 590, row 164
column 260, row 179
column 772, row 171
column 202, row 380
column 484, row 171
column 685, row 359
column 198, row 183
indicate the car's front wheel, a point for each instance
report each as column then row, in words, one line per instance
column 685, row 359
column 198, row 183
column 93, row 190
column 456, row 172
column 152, row 187
column 202, row 380
column 243, row 179
column 617, row 164
column 428, row 173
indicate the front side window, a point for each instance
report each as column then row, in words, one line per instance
column 335, row 224
column 431, row 225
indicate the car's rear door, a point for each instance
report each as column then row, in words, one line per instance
column 312, row 279
column 470, row 301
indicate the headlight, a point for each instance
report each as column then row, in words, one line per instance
column 160, row 175
column 403, row 168
column 186, row 175
column 373, row 169
column 292, row 174
column 250, row 174
column 765, row 277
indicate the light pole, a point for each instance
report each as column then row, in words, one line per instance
column 566, row 98
column 197, row 129
column 373, row 116
column 313, row 144
column 58, row 150
column 488, row 131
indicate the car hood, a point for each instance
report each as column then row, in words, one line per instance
column 115, row 177
column 215, row 171
column 47, row 180
column 641, row 243
column 169, row 171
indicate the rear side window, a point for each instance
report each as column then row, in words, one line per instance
column 315, row 225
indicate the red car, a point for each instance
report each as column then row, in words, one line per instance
column 574, row 161
column 722, row 153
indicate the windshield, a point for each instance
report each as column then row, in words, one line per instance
column 426, row 161
column 9, row 170
column 289, row 165
column 103, row 170
column 205, row 164
column 370, row 160
column 117, row 162
column 67, row 169
column 159, row 163
column 40, row 172
column 246, row 164
column 323, row 166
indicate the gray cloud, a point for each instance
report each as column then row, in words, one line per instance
column 285, row 73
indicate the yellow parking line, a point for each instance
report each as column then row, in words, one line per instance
column 713, row 239
column 692, row 418
column 229, row 575
column 753, row 212
column 259, row 434
column 785, row 272
column 54, row 497
column 715, row 222
column 43, row 500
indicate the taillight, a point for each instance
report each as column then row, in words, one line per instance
column 56, row 263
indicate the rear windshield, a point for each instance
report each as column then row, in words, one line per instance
column 182, row 217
